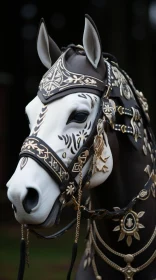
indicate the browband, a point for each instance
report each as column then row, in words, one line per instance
column 58, row 81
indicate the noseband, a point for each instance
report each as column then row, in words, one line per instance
column 35, row 148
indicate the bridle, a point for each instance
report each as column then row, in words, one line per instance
column 65, row 176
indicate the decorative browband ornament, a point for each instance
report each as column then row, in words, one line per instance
column 59, row 79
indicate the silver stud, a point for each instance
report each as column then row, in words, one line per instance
column 149, row 148
column 152, row 157
column 144, row 150
column 145, row 141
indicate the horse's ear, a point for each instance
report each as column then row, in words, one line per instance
column 47, row 49
column 91, row 42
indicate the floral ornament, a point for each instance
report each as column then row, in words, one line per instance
column 129, row 226
column 30, row 144
column 120, row 81
column 82, row 80
column 82, row 135
column 109, row 109
column 70, row 189
column 143, row 102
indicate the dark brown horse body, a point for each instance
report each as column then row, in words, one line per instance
column 132, row 167
column 127, row 179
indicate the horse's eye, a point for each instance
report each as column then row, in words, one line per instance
column 78, row 117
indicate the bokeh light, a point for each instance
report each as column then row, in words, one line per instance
column 152, row 14
column 28, row 11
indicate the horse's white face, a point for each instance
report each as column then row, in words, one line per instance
column 66, row 125
column 63, row 125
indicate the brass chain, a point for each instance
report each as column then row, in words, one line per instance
column 79, row 201
column 125, row 269
column 22, row 232
column 98, row 277
column 100, row 253
column 120, row 254
column 27, row 248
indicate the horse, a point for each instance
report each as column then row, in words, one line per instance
column 90, row 130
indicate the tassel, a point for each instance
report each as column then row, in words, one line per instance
column 74, row 254
column 22, row 256
column 22, row 260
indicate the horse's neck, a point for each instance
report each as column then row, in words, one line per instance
column 125, row 182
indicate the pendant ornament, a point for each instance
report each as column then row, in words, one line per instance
column 99, row 158
column 129, row 226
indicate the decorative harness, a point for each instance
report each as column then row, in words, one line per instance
column 58, row 82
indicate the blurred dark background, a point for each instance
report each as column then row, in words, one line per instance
column 128, row 31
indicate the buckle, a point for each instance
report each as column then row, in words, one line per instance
column 123, row 128
column 120, row 110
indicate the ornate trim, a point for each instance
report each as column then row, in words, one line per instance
column 40, row 120
column 37, row 148
column 118, row 80
column 58, row 78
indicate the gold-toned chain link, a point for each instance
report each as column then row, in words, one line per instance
column 98, row 277
column 144, row 265
column 114, row 265
column 22, row 232
column 120, row 254
column 27, row 248
column 100, row 253
column 79, row 202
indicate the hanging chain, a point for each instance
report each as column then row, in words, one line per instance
column 128, row 270
column 22, row 232
column 120, row 254
column 98, row 277
column 27, row 248
column 79, row 201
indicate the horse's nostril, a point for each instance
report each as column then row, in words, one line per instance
column 31, row 200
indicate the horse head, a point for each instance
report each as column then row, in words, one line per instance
column 89, row 127
column 63, row 122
